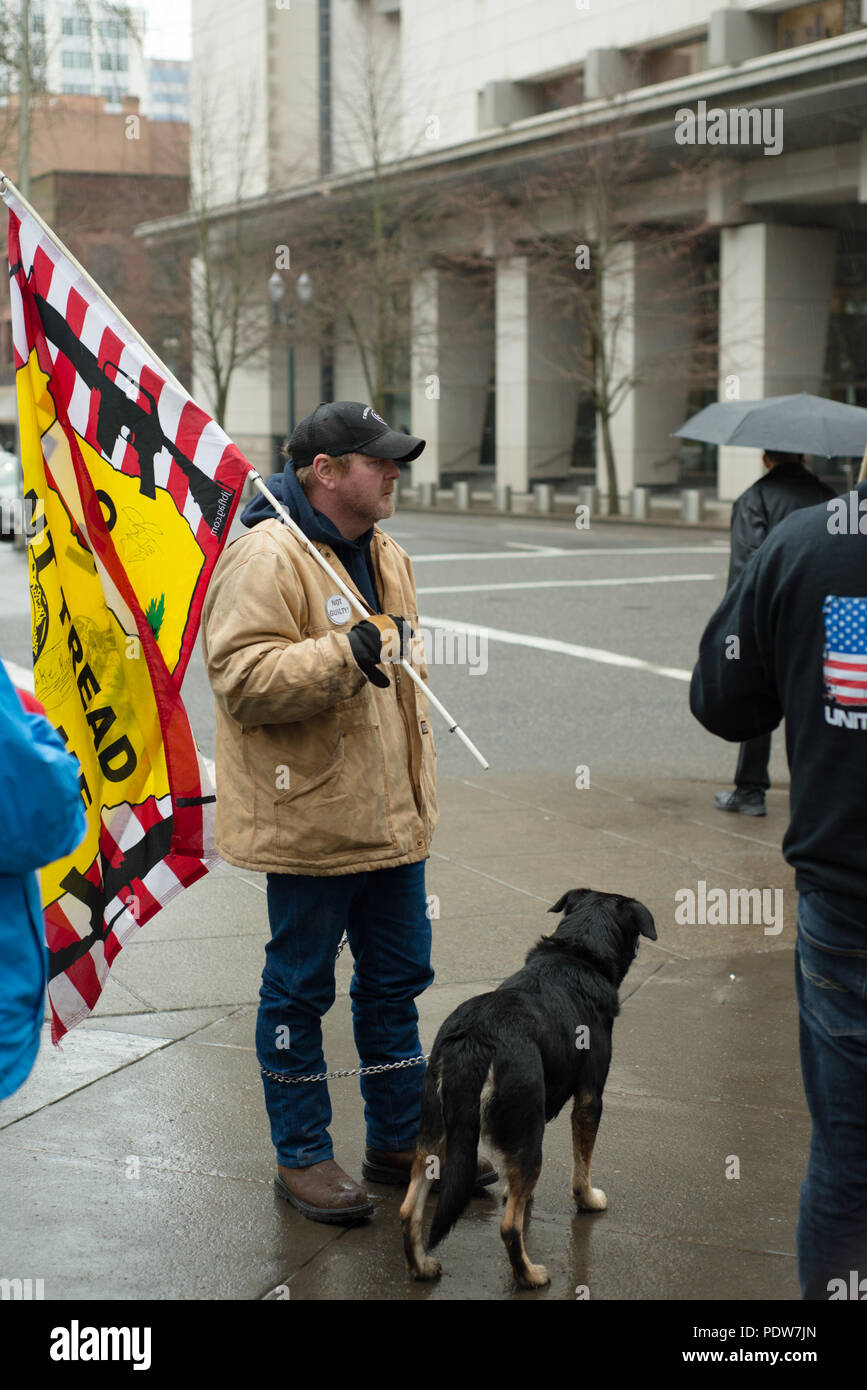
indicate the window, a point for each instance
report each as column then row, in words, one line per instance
column 174, row 75
column 561, row 92
column 667, row 64
column 809, row 23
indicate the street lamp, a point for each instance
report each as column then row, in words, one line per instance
column 304, row 293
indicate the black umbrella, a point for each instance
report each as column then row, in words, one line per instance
column 800, row 424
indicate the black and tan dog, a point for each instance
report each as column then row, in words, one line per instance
column 505, row 1063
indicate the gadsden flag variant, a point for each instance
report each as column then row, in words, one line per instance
column 133, row 490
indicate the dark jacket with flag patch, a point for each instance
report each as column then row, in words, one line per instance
column 790, row 639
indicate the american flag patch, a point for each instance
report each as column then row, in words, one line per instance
column 844, row 665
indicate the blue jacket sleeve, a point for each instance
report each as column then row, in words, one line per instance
column 42, row 817
column 733, row 691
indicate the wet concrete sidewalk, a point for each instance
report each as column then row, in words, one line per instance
column 137, row 1163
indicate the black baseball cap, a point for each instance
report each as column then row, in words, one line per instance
column 350, row 427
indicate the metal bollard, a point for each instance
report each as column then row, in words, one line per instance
column 692, row 506
column 395, row 492
column 589, row 495
column 544, row 496
column 461, row 495
column 640, row 503
column 426, row 494
column 503, row 497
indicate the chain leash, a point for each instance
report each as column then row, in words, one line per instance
column 349, row 1071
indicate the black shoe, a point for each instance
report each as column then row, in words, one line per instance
column 394, row 1168
column 749, row 803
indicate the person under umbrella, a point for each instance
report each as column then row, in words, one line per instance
column 784, row 487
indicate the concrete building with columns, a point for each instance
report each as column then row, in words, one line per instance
column 773, row 96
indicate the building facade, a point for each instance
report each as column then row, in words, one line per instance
column 79, row 48
column 93, row 175
column 753, row 125
column 168, row 90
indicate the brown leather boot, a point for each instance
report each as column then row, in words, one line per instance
column 394, row 1168
column 323, row 1192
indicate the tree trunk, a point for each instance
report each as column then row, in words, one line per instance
column 610, row 466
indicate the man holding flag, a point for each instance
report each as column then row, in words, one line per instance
column 325, row 765
column 129, row 482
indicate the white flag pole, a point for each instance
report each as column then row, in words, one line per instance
column 454, row 727
column 6, row 184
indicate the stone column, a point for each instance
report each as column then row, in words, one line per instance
column 775, row 298
column 537, row 393
column 649, row 331
column 452, row 347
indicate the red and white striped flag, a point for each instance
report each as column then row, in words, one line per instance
column 134, row 488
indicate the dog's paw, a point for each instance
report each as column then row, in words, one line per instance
column 593, row 1199
column 534, row 1277
column 428, row 1268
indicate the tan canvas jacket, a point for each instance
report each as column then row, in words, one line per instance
column 318, row 770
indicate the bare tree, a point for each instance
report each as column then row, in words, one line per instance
column 381, row 223
column 229, row 262
column 24, row 54
column 598, row 194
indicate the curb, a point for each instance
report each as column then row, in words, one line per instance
column 448, row 509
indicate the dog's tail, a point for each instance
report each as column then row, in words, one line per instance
column 463, row 1072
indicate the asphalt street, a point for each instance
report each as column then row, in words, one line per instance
column 137, row 1162
column 592, row 636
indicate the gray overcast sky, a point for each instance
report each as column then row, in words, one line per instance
column 168, row 33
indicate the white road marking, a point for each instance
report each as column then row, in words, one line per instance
column 541, row 549
column 551, row 644
column 20, row 676
column 567, row 583
column 556, row 551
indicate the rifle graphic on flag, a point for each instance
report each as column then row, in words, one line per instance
column 133, row 489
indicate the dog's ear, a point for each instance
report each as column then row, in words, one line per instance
column 569, row 900
column 644, row 920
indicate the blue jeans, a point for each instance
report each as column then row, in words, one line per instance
column 383, row 912
column 831, row 981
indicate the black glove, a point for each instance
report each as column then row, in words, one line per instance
column 366, row 640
